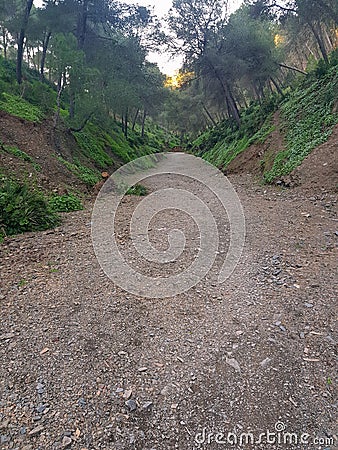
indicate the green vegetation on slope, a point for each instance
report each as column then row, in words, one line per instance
column 222, row 144
column 65, row 203
column 307, row 119
column 99, row 147
column 23, row 208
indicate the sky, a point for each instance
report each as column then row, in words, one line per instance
column 167, row 64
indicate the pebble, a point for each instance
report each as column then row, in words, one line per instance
column 66, row 442
column 127, row 394
column 6, row 336
column 147, row 405
column 233, row 363
column 40, row 388
column 36, row 430
column 309, row 305
column 266, row 362
column 131, row 404
column 82, row 402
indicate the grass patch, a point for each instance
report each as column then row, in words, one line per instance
column 138, row 190
column 83, row 173
column 93, row 143
column 15, row 151
column 65, row 203
column 308, row 119
column 24, row 209
column 17, row 106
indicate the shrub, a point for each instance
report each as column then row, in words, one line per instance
column 65, row 203
column 138, row 189
column 23, row 209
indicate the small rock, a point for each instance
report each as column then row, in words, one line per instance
column 309, row 305
column 147, row 405
column 4, row 439
column 41, row 408
column 43, row 351
column 5, row 336
column 142, row 369
column 36, row 418
column 127, row 394
column 4, row 424
column 131, row 404
column 165, row 391
column 36, row 430
column 233, row 363
column 82, row 402
column 282, row 328
column 66, row 441
column 40, row 388
column 266, row 362
column 302, row 335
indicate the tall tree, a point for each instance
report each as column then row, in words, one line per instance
column 28, row 4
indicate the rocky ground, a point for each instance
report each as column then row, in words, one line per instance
column 86, row 365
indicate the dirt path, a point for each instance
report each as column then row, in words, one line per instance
column 234, row 358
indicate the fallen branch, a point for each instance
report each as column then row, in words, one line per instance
column 285, row 66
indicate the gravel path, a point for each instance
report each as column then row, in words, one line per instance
column 86, row 365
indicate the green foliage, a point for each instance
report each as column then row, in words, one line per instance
column 40, row 95
column 23, row 209
column 226, row 144
column 138, row 190
column 85, row 174
column 65, row 203
column 19, row 107
column 308, row 119
column 15, row 151
column 94, row 142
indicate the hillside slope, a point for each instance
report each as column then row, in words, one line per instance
column 278, row 135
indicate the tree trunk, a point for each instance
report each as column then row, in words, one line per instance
column 135, row 119
column 143, row 123
column 4, row 42
column 44, row 54
column 318, row 35
column 58, row 101
column 82, row 25
column 126, row 124
column 21, row 40
column 229, row 98
column 294, row 69
column 209, row 115
column 81, row 127
column 279, row 90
